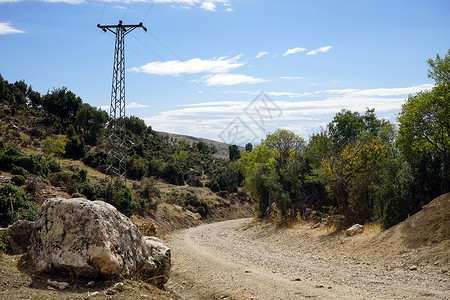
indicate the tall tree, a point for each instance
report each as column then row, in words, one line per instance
column 62, row 104
column 425, row 121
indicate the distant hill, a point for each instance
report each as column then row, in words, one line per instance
column 222, row 148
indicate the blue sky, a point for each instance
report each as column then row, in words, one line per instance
column 201, row 67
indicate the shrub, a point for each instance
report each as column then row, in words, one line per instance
column 4, row 240
column 16, row 170
column 95, row 159
column 15, row 205
column 18, row 180
column 194, row 204
column 119, row 195
column 54, row 166
column 172, row 173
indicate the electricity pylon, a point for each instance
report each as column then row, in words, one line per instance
column 117, row 148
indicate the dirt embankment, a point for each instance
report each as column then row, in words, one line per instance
column 240, row 260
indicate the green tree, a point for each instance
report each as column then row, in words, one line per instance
column 249, row 147
column 91, row 121
column 425, row 121
column 284, row 142
column 347, row 126
column 62, row 104
column 54, row 145
column 233, row 152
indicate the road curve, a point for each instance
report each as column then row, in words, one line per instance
column 229, row 260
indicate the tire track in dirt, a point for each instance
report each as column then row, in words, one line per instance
column 228, row 260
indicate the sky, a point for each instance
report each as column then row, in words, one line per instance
column 230, row 70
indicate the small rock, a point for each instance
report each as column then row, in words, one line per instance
column 90, row 284
column 354, row 230
column 444, row 271
column 413, row 268
column 319, row 286
column 91, row 295
column 297, row 279
column 63, row 285
column 317, row 225
column 110, row 292
column 118, row 286
column 248, row 271
column 57, row 285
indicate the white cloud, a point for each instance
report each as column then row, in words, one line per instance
column 382, row 92
column 271, row 93
column 231, row 79
column 208, row 6
column 291, row 77
column 294, row 50
column 9, row 1
column 319, row 50
column 65, row 1
column 261, row 54
column 6, row 28
column 136, row 105
column 304, row 117
column 192, row 66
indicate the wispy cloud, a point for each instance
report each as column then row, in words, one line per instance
column 261, row 54
column 381, row 92
column 136, row 105
column 291, row 77
column 191, row 66
column 231, row 79
column 6, row 28
column 304, row 117
column 209, row 5
column 319, row 50
column 271, row 93
column 65, row 1
column 130, row 105
column 294, row 50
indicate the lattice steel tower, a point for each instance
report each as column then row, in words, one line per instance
column 117, row 148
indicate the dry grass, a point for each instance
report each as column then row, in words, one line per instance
column 372, row 228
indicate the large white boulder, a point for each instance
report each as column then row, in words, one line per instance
column 91, row 239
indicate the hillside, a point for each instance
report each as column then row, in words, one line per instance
column 222, row 148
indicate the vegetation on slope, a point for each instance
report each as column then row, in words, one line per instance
column 359, row 166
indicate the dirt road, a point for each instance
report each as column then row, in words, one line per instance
column 230, row 260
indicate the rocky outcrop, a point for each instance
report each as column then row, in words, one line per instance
column 354, row 230
column 92, row 239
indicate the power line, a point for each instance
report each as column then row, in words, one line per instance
column 103, row 11
column 126, row 11
column 151, row 5
column 174, row 78
column 181, row 73
column 176, row 55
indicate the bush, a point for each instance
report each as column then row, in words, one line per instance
column 95, row 159
column 4, row 240
column 147, row 193
column 10, row 157
column 54, row 166
column 119, row 195
column 194, row 204
column 15, row 205
column 16, row 170
column 18, row 180
column 115, row 193
column 172, row 173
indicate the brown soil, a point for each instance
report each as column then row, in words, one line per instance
column 243, row 260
